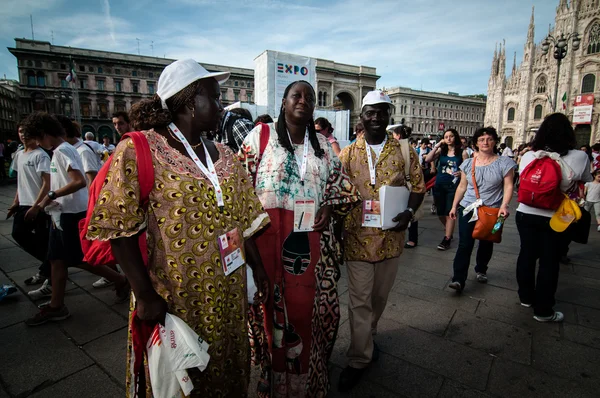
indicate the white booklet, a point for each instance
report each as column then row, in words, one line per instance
column 393, row 200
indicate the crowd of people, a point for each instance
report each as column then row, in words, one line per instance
column 298, row 204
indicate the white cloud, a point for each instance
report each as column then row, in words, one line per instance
column 109, row 21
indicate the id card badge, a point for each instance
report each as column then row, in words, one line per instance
column 230, row 248
column 371, row 214
column 304, row 214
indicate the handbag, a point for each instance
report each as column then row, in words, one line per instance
column 405, row 148
column 487, row 217
column 580, row 230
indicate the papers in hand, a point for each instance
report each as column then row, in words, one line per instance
column 393, row 201
column 54, row 209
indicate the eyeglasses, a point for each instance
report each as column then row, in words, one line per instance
column 484, row 139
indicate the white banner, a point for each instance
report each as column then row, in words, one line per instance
column 582, row 114
column 291, row 68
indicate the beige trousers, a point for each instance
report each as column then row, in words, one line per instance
column 369, row 285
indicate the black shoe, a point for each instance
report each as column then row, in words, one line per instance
column 375, row 356
column 444, row 245
column 349, row 378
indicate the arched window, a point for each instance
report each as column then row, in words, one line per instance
column 320, row 101
column 31, row 80
column 325, row 98
column 537, row 112
column 511, row 114
column 588, row 84
column 540, row 85
column 593, row 45
column 41, row 79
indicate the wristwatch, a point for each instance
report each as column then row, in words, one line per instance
column 52, row 195
column 412, row 212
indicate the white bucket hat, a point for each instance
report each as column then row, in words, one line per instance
column 376, row 97
column 178, row 75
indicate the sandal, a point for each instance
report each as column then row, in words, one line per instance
column 409, row 246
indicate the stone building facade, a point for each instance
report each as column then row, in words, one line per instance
column 108, row 82
column 517, row 105
column 430, row 113
column 9, row 110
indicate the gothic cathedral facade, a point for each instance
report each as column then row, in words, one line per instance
column 517, row 105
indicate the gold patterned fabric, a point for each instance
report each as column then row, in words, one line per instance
column 374, row 244
column 183, row 222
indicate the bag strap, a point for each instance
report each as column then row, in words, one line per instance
column 144, row 164
column 473, row 177
column 265, row 134
column 405, row 149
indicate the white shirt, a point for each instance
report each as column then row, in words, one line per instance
column 30, row 166
column 508, row 152
column 65, row 156
column 98, row 148
column 90, row 161
column 377, row 149
column 593, row 193
column 110, row 148
column 577, row 160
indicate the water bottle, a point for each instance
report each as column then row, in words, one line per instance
column 498, row 224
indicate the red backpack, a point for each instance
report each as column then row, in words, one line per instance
column 540, row 184
column 97, row 252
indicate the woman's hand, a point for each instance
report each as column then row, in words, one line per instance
column 261, row 280
column 452, row 213
column 504, row 211
column 152, row 308
column 322, row 218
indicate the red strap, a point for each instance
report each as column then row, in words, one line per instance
column 144, row 164
column 265, row 134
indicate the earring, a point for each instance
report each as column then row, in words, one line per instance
column 193, row 112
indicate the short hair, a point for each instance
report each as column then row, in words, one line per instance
column 38, row 124
column 555, row 135
column 485, row 131
column 90, row 136
column 266, row 118
column 596, row 147
column 402, row 131
column 122, row 114
column 242, row 112
column 323, row 123
column 425, row 141
column 68, row 125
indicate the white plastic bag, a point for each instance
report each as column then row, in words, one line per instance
column 172, row 349
column 252, row 289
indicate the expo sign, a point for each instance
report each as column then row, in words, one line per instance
column 292, row 69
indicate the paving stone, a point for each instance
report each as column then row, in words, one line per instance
column 420, row 314
column 5, row 226
column 3, row 393
column 16, row 258
column 588, row 317
column 511, row 379
column 493, row 337
column 110, row 352
column 364, row 389
column 496, row 277
column 89, row 383
column 519, row 316
column 579, row 295
column 90, row 319
column 569, row 360
column 5, row 243
column 582, row 335
column 41, row 354
column 448, row 299
column 587, row 272
column 15, row 308
column 452, row 389
column 488, row 293
column 449, row 359
column 422, row 277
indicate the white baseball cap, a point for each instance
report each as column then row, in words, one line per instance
column 181, row 73
column 376, row 97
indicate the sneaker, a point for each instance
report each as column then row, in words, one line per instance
column 102, row 282
column 35, row 280
column 44, row 291
column 48, row 314
column 456, row 286
column 526, row 305
column 433, row 209
column 556, row 317
column 598, row 229
column 445, row 245
column 481, row 278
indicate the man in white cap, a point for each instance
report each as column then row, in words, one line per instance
column 371, row 253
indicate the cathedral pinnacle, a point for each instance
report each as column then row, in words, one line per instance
column 531, row 31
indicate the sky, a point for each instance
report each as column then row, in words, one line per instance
column 432, row 45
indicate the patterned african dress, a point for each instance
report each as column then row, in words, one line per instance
column 302, row 313
column 183, row 222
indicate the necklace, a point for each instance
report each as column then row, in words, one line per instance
column 178, row 140
column 486, row 161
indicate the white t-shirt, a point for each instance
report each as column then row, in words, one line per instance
column 30, row 166
column 110, row 148
column 508, row 152
column 579, row 163
column 65, row 156
column 89, row 159
column 377, row 149
column 593, row 192
column 98, row 148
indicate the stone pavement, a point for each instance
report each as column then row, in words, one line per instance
column 433, row 342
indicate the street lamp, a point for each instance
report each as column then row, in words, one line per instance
column 560, row 52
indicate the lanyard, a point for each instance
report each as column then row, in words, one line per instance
column 371, row 164
column 209, row 172
column 301, row 163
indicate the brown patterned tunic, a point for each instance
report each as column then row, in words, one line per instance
column 183, row 222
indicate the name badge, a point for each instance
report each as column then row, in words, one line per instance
column 371, row 214
column 304, row 214
column 232, row 256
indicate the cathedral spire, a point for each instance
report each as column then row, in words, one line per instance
column 531, row 31
column 514, row 68
column 562, row 5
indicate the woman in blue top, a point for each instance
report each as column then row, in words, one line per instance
column 494, row 176
column 450, row 153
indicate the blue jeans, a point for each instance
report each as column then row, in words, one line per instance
column 466, row 243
